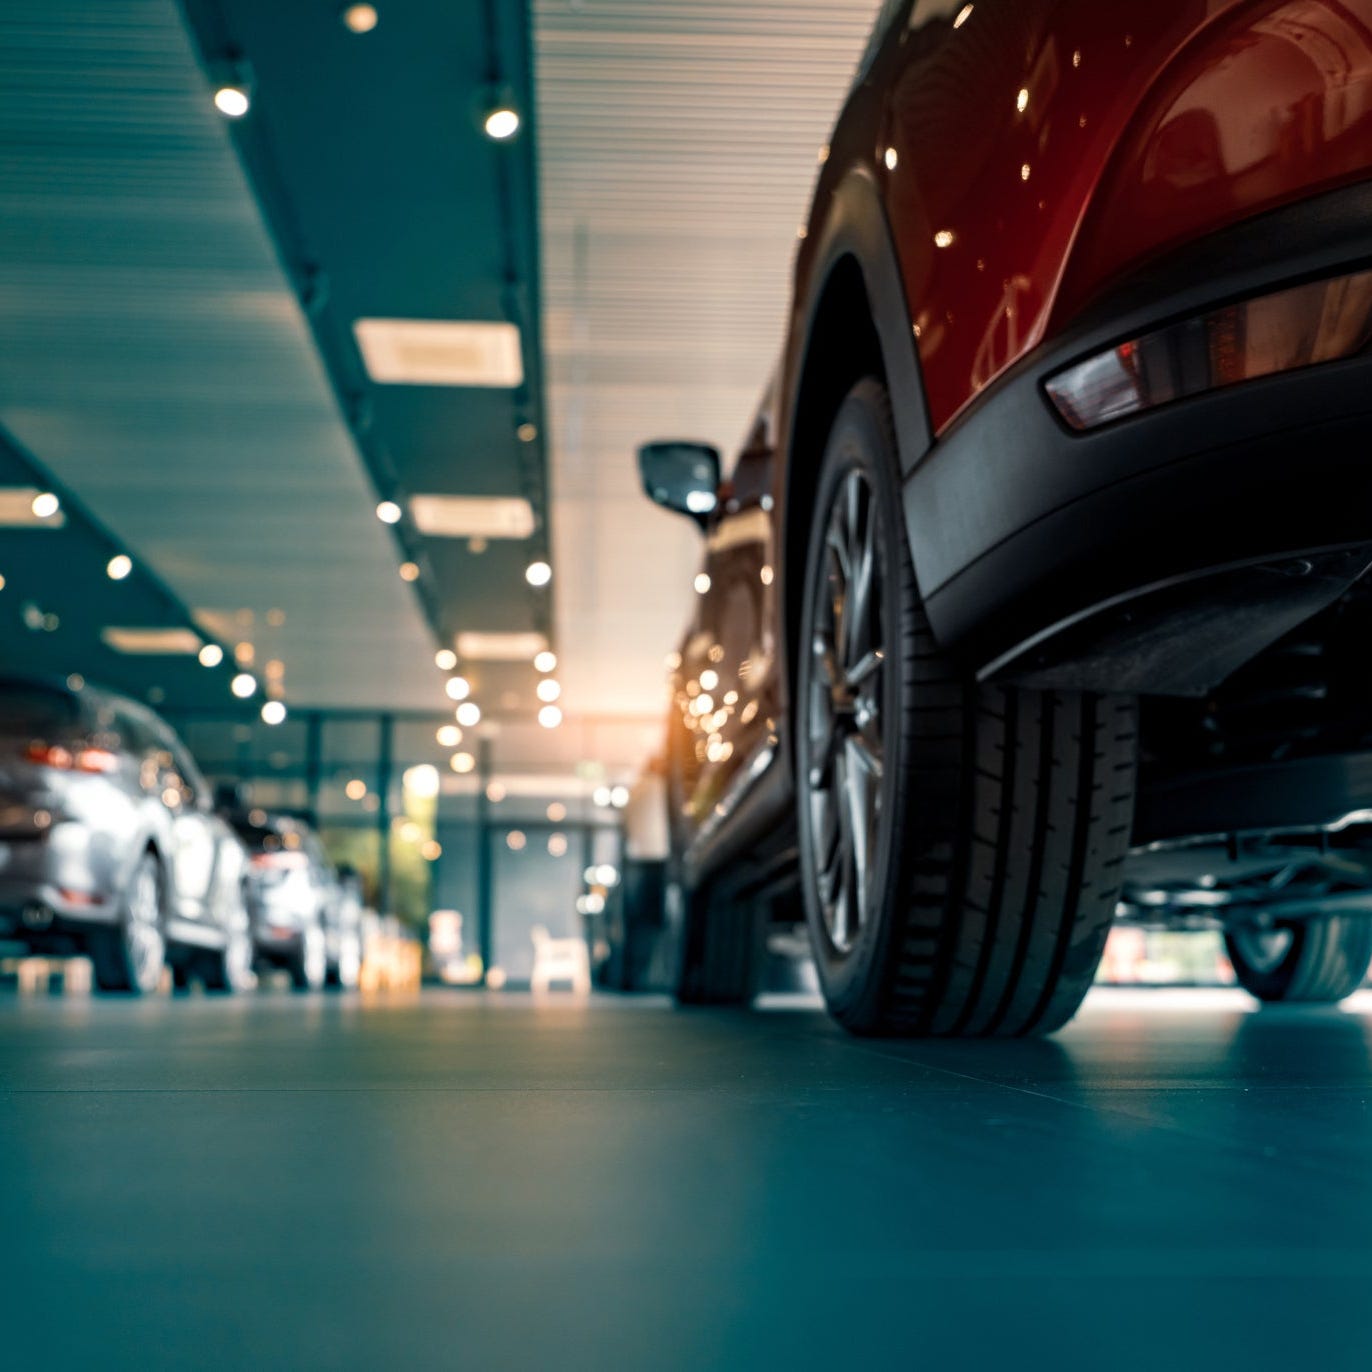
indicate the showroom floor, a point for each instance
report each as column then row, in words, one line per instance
column 451, row 1181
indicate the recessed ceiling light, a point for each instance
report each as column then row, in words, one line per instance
column 477, row 646
column 440, row 352
column 409, row 571
column 472, row 516
column 118, row 567
column 550, row 716
column 462, row 762
column 360, row 18
column 388, row 512
column 545, row 661
column 211, row 655
column 469, row 714
column 538, row 574
column 449, row 735
column 526, row 433
column 152, row 641
column 458, row 688
column 273, row 712
column 502, row 123
column 17, row 509
column 243, row 685
column 231, row 101
column 445, row 659
column 549, row 690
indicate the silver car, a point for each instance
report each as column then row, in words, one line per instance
column 108, row 844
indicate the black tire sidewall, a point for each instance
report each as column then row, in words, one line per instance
column 853, row 982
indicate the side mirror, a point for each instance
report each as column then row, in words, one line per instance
column 683, row 477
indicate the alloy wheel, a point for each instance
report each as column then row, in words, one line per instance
column 1263, row 950
column 144, row 940
column 845, row 753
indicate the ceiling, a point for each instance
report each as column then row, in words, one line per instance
column 177, row 294
column 677, row 149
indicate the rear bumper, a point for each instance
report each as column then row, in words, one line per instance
column 55, row 883
column 1106, row 559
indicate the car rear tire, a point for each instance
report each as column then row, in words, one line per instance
column 1312, row 961
column 131, row 957
column 719, row 956
column 345, row 974
column 961, row 845
column 310, row 965
column 230, row 969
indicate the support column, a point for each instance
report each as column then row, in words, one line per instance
column 485, row 920
column 384, row 767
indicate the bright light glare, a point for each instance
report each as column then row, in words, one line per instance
column 1022, row 100
column 243, row 685
column 445, row 659
column 449, row 736
column 458, row 688
column 943, row 238
column 118, row 567
column 963, row 15
column 409, row 571
column 545, row 661
column 360, row 18
column 502, row 123
column 557, row 812
column 601, row 796
column 468, row 714
column 548, row 689
column 892, row 157
column 421, row 781
column 700, row 502
column 462, row 762
column 709, row 679
column 273, row 712
column 606, row 875
column 702, row 583
column 538, row 574
column 355, row 789
column 388, row 512
column 45, row 505
column 619, row 796
column 231, row 101
column 550, row 716
column 211, row 655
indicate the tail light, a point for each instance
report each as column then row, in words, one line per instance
column 78, row 759
column 1321, row 321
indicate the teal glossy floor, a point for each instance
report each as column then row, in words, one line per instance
column 453, row 1182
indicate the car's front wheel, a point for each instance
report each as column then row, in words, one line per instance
column 961, row 845
column 1311, row 961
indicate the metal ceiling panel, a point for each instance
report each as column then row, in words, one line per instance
column 678, row 143
column 153, row 356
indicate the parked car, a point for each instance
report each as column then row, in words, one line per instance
column 1037, row 589
column 108, row 846
column 306, row 918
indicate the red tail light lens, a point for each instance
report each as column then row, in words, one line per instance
column 72, row 760
column 279, row 862
column 1321, row 321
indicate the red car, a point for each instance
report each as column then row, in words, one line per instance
column 1036, row 594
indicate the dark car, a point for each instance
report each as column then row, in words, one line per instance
column 306, row 916
column 1037, row 590
column 108, row 844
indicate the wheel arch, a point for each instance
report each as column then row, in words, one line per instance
column 852, row 298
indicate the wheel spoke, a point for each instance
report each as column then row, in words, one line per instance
column 863, row 668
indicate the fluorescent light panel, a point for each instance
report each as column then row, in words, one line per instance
column 152, row 642
column 440, row 352
column 491, row 647
column 16, row 510
column 472, row 516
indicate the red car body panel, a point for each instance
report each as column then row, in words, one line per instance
column 1032, row 154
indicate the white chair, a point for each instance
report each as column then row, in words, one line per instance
column 559, row 959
